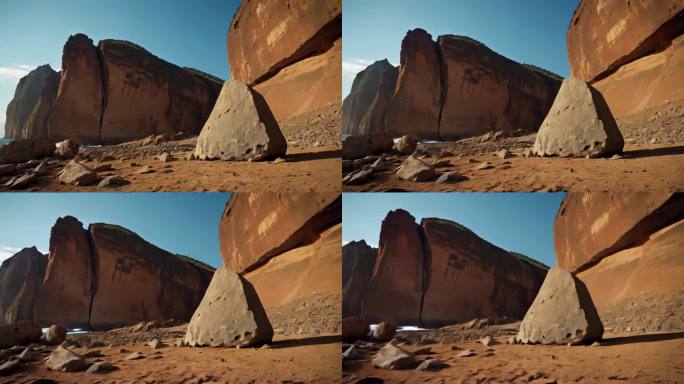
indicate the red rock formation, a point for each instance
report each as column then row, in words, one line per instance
column 622, row 244
column 258, row 226
column 415, row 105
column 65, row 296
column 27, row 112
column 20, row 277
column 358, row 262
column 468, row 277
column 78, row 107
column 395, row 291
column 290, row 52
column 615, row 44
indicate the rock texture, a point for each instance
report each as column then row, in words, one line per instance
column 27, row 113
column 562, row 313
column 240, row 127
column 22, row 332
column 107, row 276
column 439, row 273
column 621, row 244
column 230, row 315
column 363, row 110
column 374, row 143
column 632, row 53
column 289, row 52
column 579, row 124
column 21, row 151
column 118, row 92
column 20, row 277
column 358, row 262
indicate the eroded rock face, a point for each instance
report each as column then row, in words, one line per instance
column 562, row 313
column 22, row 332
column 415, row 105
column 20, row 277
column 356, row 146
column 395, row 290
column 468, row 277
column 230, row 315
column 579, row 124
column 21, row 151
column 256, row 227
column 358, row 262
column 363, row 110
column 633, row 53
column 240, row 127
column 28, row 111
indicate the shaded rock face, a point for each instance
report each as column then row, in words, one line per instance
column 107, row 276
column 240, row 127
column 440, row 273
column 118, row 92
column 579, row 124
column 357, row 146
column 562, row 313
column 290, row 52
column 230, row 315
column 613, row 44
column 621, row 244
column 20, row 277
column 21, row 151
column 22, row 332
column 28, row 111
column 363, row 110
column 358, row 262
column 256, row 227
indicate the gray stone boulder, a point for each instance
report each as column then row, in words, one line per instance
column 240, row 127
column 230, row 315
column 579, row 124
column 414, row 169
column 68, row 149
column 56, row 334
column 65, row 360
column 18, row 333
column 406, row 145
column 392, row 357
column 562, row 313
column 76, row 173
column 358, row 146
column 384, row 331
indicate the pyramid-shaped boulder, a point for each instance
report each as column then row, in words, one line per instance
column 562, row 313
column 240, row 127
column 579, row 124
column 230, row 315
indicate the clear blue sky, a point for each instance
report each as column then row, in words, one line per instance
column 519, row 222
column 186, row 33
column 184, row 223
column 530, row 31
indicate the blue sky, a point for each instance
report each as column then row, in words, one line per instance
column 529, row 31
column 184, row 223
column 186, row 33
column 520, row 222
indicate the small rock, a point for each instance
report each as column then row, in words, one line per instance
column 616, row 156
column 384, row 331
column 595, row 344
column 56, row 334
column 483, row 166
column 112, row 181
column 406, row 145
column 417, row 170
column 432, row 365
column 103, row 167
column 504, row 154
column 467, row 353
column 92, row 354
column 155, row 344
column 25, row 355
column 441, row 164
column 351, row 353
column 101, row 367
column 166, row 157
column 450, row 177
column 423, row 351
column 65, row 360
column 135, row 356
column 68, row 149
column 145, row 170
column 279, row 160
column 358, row 177
column 393, row 357
column 9, row 366
column 22, row 181
column 487, row 341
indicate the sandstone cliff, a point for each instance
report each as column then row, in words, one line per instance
column 107, row 276
column 438, row 273
column 453, row 88
column 358, row 262
column 632, row 52
column 20, row 277
column 290, row 52
column 622, row 245
column 28, row 111
column 363, row 110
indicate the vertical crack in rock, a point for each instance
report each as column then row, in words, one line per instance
column 103, row 87
column 93, row 274
column 443, row 86
column 427, row 267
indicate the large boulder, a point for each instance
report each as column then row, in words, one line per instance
column 230, row 315
column 631, row 52
column 415, row 169
column 415, row 106
column 256, row 227
column 241, row 127
column 467, row 277
column 21, row 151
column 27, row 112
column 484, row 91
column 355, row 328
column 76, row 173
column 20, row 278
column 363, row 110
column 395, row 290
column 358, row 261
column 392, row 357
column 78, row 107
column 374, row 143
column 579, row 124
column 562, row 313
column 65, row 360
column 290, row 53
column 22, row 332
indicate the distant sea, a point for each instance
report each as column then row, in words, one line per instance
column 4, row 141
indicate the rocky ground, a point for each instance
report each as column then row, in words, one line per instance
column 315, row 356
column 654, row 147
column 317, row 314
column 316, row 129
column 140, row 165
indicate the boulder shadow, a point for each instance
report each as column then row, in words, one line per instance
column 643, row 338
column 666, row 151
column 315, row 340
column 296, row 157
